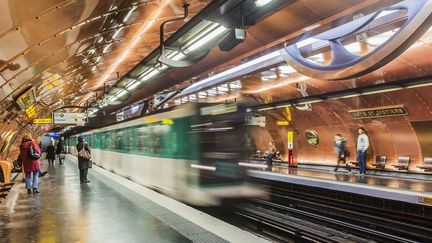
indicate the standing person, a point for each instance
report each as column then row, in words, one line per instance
column 83, row 159
column 340, row 152
column 40, row 146
column 362, row 146
column 51, row 151
column 272, row 150
column 60, row 149
column 30, row 154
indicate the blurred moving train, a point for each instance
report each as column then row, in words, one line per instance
column 191, row 152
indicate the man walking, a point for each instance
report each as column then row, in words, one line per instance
column 60, row 149
column 362, row 146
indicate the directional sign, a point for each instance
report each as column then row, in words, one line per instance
column 42, row 121
column 282, row 123
column 26, row 99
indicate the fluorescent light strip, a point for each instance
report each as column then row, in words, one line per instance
column 381, row 91
column 116, row 33
column 178, row 56
column 133, row 85
column 112, row 98
column 121, row 93
column 261, row 3
column 203, row 167
column 252, row 165
column 129, row 14
column 206, row 39
column 235, row 69
column 201, row 34
column 149, row 75
column 106, row 48
column 135, row 40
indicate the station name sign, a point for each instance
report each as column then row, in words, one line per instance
column 383, row 111
column 42, row 121
column 69, row 118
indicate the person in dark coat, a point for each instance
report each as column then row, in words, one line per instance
column 60, row 149
column 30, row 165
column 83, row 163
column 339, row 147
column 51, row 152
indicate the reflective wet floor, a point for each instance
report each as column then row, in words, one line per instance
column 372, row 180
column 67, row 211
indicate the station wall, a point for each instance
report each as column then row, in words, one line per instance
column 393, row 136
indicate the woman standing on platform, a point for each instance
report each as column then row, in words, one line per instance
column 51, row 152
column 362, row 146
column 30, row 155
column 83, row 159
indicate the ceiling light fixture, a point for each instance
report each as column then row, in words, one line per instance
column 132, row 85
column 151, row 72
column 204, row 37
column 129, row 14
column 261, row 3
column 116, row 33
column 131, row 45
column 121, row 93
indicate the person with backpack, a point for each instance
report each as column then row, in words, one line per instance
column 84, row 162
column 340, row 152
column 30, row 155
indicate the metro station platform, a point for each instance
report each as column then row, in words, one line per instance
column 108, row 209
column 397, row 189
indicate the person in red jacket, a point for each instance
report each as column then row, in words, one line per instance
column 31, row 165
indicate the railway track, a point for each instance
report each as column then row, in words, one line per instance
column 299, row 213
column 294, row 225
column 303, row 214
column 403, row 226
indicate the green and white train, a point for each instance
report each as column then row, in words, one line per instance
column 191, row 153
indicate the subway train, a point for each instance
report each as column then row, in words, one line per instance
column 191, row 152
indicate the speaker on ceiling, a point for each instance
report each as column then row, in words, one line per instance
column 235, row 37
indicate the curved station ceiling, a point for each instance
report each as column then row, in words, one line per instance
column 105, row 57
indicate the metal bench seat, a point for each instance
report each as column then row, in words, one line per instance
column 427, row 164
column 380, row 161
column 403, row 163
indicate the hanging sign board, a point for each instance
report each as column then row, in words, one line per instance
column 256, row 121
column 382, row 111
column 42, row 121
column 60, row 118
column 282, row 123
column 26, row 99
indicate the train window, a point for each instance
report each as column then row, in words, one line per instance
column 312, row 137
column 143, row 139
column 118, row 143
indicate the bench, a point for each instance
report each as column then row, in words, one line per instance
column 380, row 161
column 427, row 164
column 403, row 163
